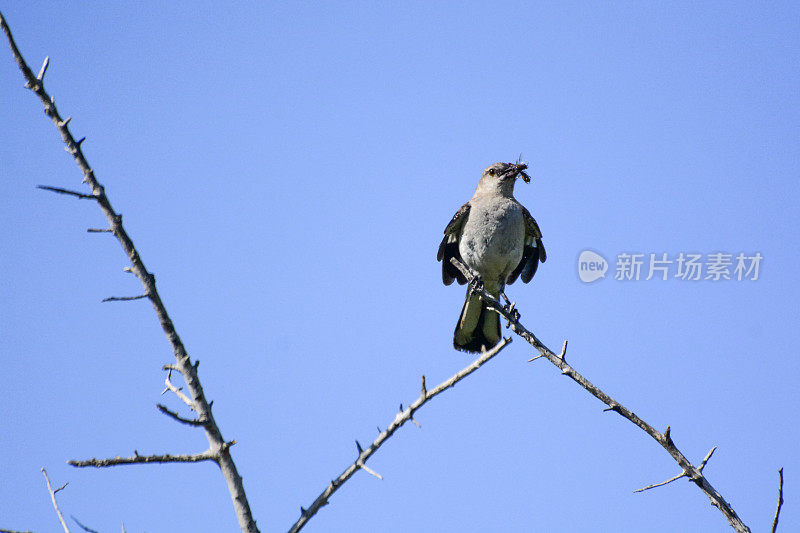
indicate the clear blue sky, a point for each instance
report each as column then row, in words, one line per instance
column 286, row 171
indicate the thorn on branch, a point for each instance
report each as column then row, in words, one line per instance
column 667, row 438
column 703, row 464
column 94, row 230
column 535, row 358
column 780, row 501
column 59, row 190
column 424, row 388
column 43, row 70
column 369, row 470
column 79, row 142
column 64, row 123
column 563, row 355
column 360, row 450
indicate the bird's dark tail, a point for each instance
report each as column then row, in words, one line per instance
column 478, row 328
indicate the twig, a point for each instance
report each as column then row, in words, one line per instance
column 780, row 501
column 682, row 474
column 83, row 527
column 177, row 390
column 67, row 192
column 123, row 298
column 207, row 455
column 13, row 531
column 53, row 498
column 400, row 418
column 179, row 418
column 664, row 439
column 183, row 362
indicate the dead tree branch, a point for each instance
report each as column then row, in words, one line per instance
column 399, row 419
column 218, row 446
column 53, row 498
column 689, row 470
column 141, row 459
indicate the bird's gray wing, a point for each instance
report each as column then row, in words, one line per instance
column 532, row 253
column 449, row 247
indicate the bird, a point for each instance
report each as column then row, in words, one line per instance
column 498, row 239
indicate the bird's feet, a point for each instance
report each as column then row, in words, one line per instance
column 476, row 284
column 510, row 308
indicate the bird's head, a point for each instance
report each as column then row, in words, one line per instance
column 500, row 177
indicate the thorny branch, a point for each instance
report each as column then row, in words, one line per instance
column 218, row 448
column 693, row 473
column 53, row 498
column 403, row 416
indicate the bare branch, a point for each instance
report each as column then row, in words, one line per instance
column 780, row 501
column 83, row 527
column 207, row 455
column 124, row 298
column 692, row 472
column 13, row 531
column 53, row 497
column 670, row 480
column 179, row 418
column 400, row 418
column 183, row 362
column 59, row 190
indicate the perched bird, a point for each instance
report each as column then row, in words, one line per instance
column 495, row 236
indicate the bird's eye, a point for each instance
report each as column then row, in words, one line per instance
column 491, row 172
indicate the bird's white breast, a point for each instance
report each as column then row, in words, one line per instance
column 492, row 238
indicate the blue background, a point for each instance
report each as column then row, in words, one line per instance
column 286, row 171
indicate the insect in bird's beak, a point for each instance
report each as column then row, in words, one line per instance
column 519, row 170
column 521, row 166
